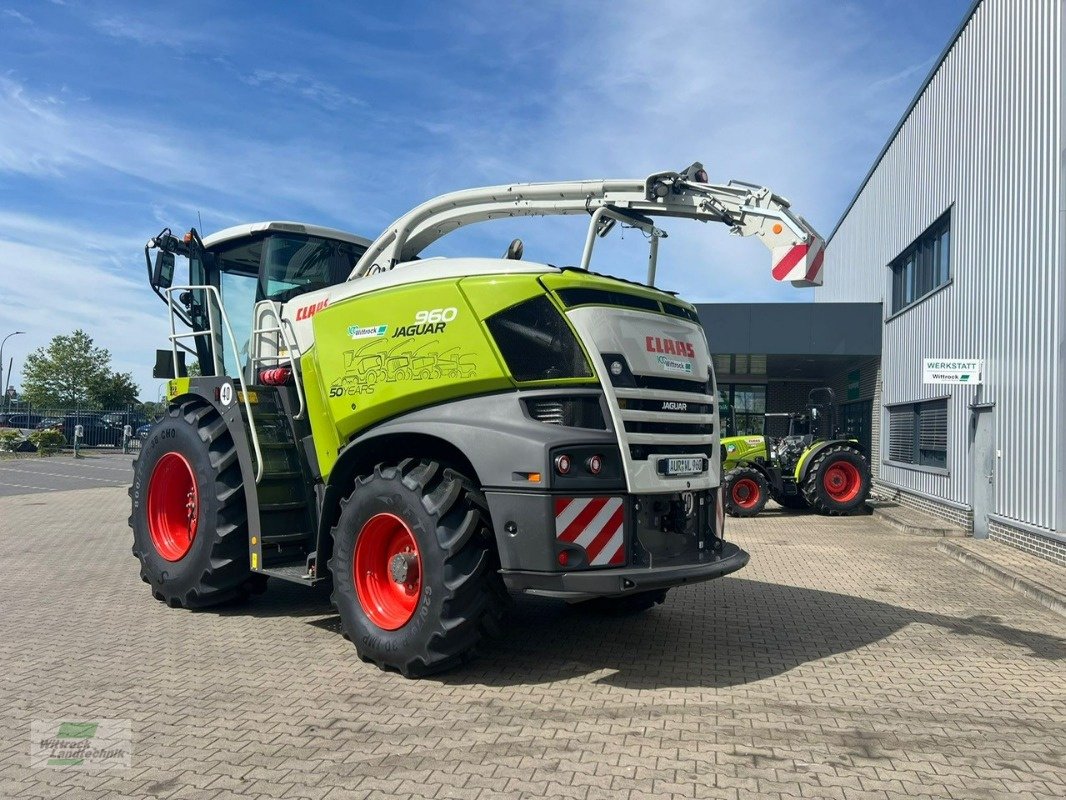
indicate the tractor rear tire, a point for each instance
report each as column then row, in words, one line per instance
column 189, row 520
column 625, row 605
column 414, row 568
column 746, row 491
column 838, row 480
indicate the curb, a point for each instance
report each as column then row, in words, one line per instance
column 1048, row 598
column 902, row 523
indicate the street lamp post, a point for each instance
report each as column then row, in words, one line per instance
column 3, row 403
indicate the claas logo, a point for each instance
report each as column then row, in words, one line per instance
column 309, row 311
column 671, row 347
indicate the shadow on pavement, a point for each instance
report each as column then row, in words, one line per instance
column 731, row 632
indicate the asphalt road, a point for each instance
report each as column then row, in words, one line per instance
column 94, row 470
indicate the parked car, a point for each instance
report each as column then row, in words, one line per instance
column 117, row 420
column 19, row 420
column 143, row 431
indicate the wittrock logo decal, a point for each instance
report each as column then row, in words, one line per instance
column 359, row 332
column 103, row 744
column 675, row 364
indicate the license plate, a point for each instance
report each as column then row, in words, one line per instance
column 683, row 465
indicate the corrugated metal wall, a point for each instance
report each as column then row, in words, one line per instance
column 984, row 140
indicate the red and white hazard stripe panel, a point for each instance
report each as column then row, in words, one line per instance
column 801, row 263
column 594, row 523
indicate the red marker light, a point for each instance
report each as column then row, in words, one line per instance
column 562, row 464
column 594, row 464
column 564, row 558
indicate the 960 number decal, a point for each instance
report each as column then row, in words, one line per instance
column 436, row 315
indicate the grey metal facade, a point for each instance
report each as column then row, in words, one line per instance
column 984, row 139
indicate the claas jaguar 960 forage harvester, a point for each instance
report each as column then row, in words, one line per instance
column 429, row 435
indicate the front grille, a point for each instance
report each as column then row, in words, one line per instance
column 666, row 416
column 679, row 406
column 680, row 428
column 670, row 384
column 640, row 452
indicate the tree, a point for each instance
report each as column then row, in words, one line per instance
column 68, row 370
column 113, row 390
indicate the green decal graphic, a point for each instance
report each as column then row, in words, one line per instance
column 357, row 332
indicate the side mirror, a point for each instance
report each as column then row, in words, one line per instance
column 163, row 273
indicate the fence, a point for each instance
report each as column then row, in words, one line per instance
column 99, row 428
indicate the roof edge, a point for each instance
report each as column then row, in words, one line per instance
column 906, row 114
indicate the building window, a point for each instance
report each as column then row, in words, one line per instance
column 748, row 402
column 922, row 267
column 918, row 433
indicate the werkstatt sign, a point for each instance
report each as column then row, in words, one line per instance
column 953, row 370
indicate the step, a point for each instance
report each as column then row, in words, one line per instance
column 1033, row 577
column 286, row 475
column 291, row 506
column 911, row 520
column 295, row 573
column 284, row 538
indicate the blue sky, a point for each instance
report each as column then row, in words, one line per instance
column 119, row 118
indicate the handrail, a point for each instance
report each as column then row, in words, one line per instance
column 290, row 348
column 210, row 331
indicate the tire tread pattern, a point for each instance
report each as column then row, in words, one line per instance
column 226, row 576
column 475, row 600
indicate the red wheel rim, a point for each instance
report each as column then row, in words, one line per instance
column 842, row 481
column 173, row 506
column 387, row 571
column 745, row 493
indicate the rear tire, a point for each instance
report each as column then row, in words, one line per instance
column 838, row 480
column 625, row 605
column 414, row 570
column 745, row 491
column 189, row 521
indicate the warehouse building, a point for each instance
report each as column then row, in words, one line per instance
column 957, row 231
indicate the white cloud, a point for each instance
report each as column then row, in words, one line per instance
column 18, row 16
column 322, row 94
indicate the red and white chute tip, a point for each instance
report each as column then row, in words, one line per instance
column 799, row 263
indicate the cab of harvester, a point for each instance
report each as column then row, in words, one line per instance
column 429, row 434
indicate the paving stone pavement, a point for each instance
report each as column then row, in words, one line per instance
column 848, row 660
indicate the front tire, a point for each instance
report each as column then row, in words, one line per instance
column 189, row 521
column 745, row 490
column 838, row 481
column 414, row 570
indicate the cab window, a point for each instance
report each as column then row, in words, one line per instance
column 293, row 265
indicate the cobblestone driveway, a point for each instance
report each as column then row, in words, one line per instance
column 846, row 661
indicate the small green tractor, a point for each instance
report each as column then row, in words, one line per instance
column 810, row 466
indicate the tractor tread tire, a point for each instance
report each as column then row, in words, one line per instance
column 212, row 573
column 467, row 598
column 814, row 491
column 738, row 473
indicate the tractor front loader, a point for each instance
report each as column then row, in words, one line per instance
column 427, row 435
column 809, row 466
